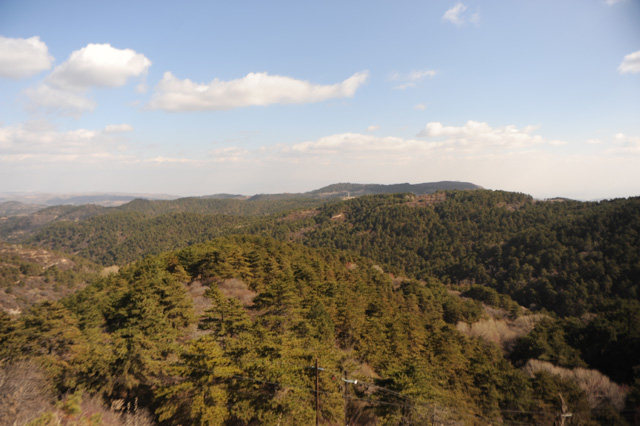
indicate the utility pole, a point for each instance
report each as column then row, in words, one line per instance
column 317, row 395
column 346, row 396
column 346, row 400
column 564, row 415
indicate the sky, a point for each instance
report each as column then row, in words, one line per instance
column 246, row 97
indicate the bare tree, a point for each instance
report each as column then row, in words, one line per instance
column 24, row 393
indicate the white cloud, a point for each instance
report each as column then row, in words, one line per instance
column 98, row 65
column 405, row 86
column 476, row 135
column 373, row 128
column 172, row 94
column 118, row 128
column 360, row 145
column 20, row 57
column 458, row 14
column 412, row 79
column 612, row 2
column 630, row 63
column 44, row 145
column 419, row 75
column 453, row 14
column 413, row 75
column 230, row 154
column 95, row 65
column 507, row 158
column 626, row 145
column 473, row 139
column 168, row 160
column 420, row 107
column 53, row 99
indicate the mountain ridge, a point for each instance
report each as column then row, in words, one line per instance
column 31, row 202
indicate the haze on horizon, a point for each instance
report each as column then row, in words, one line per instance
column 537, row 96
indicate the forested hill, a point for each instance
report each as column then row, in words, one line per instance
column 354, row 189
column 315, row 281
column 227, row 206
column 579, row 260
column 264, row 312
column 16, row 227
column 567, row 256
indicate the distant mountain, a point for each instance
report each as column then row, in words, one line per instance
column 342, row 190
column 25, row 203
column 355, row 189
column 225, row 197
column 16, row 208
column 103, row 199
column 67, row 209
column 281, row 197
column 106, row 200
column 17, row 227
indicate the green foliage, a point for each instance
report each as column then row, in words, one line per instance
column 609, row 340
column 569, row 257
column 122, row 237
column 547, row 342
column 250, row 359
column 491, row 297
column 226, row 318
column 200, row 398
column 550, row 391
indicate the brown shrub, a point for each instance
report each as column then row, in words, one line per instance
column 503, row 332
column 24, row 393
column 233, row 287
column 196, row 290
column 598, row 387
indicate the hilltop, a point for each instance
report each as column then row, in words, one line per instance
column 21, row 220
column 356, row 190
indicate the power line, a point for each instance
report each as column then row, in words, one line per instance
column 355, row 398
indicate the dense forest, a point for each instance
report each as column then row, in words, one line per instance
column 459, row 307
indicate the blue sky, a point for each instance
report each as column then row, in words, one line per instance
column 535, row 96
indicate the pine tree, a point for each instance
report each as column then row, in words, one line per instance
column 200, row 396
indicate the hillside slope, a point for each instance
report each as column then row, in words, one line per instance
column 32, row 275
column 268, row 311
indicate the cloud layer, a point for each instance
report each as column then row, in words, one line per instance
column 473, row 139
column 255, row 89
column 509, row 158
column 41, row 146
column 20, row 57
column 475, row 136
